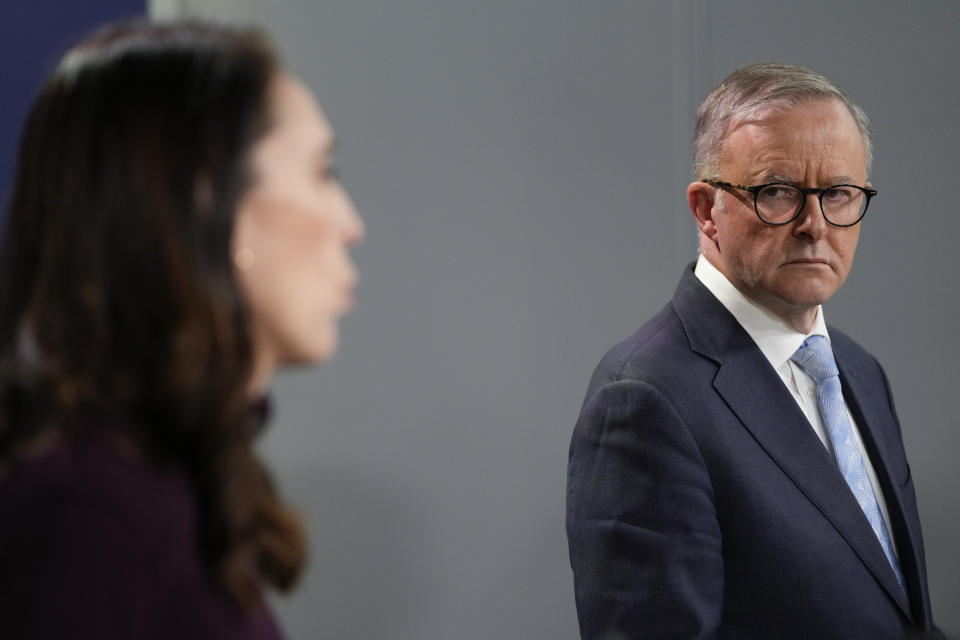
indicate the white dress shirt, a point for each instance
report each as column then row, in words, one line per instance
column 778, row 342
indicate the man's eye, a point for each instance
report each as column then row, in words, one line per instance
column 837, row 194
column 776, row 192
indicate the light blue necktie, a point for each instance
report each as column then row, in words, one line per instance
column 815, row 357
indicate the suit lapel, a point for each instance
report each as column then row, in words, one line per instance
column 754, row 392
column 767, row 410
column 875, row 428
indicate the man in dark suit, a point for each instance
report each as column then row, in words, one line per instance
column 738, row 470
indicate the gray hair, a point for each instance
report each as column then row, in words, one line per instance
column 756, row 88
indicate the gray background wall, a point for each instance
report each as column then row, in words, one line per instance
column 521, row 165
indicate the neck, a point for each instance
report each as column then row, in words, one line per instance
column 261, row 373
column 800, row 320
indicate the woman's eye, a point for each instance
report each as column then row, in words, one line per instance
column 329, row 173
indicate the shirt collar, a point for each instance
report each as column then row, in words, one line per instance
column 776, row 340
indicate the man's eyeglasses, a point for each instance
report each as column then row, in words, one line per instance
column 777, row 203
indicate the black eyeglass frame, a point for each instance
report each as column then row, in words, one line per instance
column 756, row 189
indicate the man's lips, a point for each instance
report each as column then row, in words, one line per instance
column 808, row 261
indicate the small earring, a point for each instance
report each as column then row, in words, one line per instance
column 244, row 259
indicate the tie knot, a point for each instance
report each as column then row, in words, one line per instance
column 815, row 357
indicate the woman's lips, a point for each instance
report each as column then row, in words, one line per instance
column 349, row 296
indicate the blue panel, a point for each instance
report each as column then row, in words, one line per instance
column 33, row 35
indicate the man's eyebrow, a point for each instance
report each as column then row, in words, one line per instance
column 764, row 177
column 779, row 177
column 782, row 177
column 840, row 180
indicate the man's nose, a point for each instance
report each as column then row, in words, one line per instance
column 811, row 221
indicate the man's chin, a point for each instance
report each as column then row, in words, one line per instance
column 807, row 297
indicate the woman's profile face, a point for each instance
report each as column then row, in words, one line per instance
column 292, row 234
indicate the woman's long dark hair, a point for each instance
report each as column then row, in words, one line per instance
column 117, row 289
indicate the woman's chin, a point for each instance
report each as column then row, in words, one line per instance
column 318, row 350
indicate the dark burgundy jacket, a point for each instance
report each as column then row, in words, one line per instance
column 97, row 542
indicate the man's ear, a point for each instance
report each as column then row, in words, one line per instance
column 702, row 197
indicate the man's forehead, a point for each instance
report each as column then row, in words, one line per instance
column 766, row 113
column 781, row 138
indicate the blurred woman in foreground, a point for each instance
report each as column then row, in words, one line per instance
column 175, row 234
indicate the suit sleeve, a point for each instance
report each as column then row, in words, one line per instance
column 642, row 528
